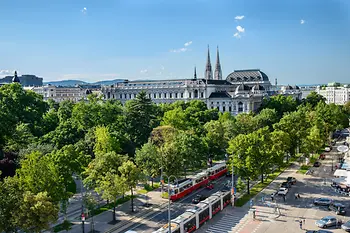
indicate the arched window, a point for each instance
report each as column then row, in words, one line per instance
column 240, row 107
column 195, row 93
column 108, row 95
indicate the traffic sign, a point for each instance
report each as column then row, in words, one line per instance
column 82, row 217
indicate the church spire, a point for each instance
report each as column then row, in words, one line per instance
column 218, row 73
column 208, row 72
column 195, row 73
column 15, row 78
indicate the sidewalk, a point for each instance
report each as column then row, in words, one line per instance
column 103, row 222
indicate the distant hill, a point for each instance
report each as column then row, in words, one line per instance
column 79, row 82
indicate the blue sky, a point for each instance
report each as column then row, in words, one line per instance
column 295, row 41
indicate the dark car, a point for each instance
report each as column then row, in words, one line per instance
column 338, row 208
column 322, row 156
column 198, row 198
column 291, row 180
column 286, row 185
column 346, row 226
column 323, row 201
column 317, row 164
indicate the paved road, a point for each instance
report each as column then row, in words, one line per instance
column 160, row 217
column 292, row 210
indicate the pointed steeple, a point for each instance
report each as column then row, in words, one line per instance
column 15, row 78
column 208, row 71
column 218, row 73
column 195, row 73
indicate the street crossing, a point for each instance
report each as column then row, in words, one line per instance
column 227, row 222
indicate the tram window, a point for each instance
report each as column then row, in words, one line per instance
column 227, row 197
column 216, row 205
column 190, row 224
column 203, row 215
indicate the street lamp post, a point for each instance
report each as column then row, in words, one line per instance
column 169, row 216
column 233, row 186
column 82, row 204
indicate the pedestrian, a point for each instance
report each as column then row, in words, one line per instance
column 301, row 224
column 296, row 196
column 284, row 198
column 299, row 198
column 272, row 196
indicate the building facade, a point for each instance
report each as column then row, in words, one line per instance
column 241, row 91
column 335, row 93
column 60, row 93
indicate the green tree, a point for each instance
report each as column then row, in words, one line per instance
column 141, row 118
column 90, row 203
column 100, row 166
column 132, row 175
column 282, row 104
column 280, row 145
column 267, row 117
column 313, row 99
column 21, row 137
column 36, row 212
column 10, row 198
column 38, row 173
column 111, row 186
column 147, row 159
column 104, row 142
column 245, row 123
column 64, row 111
column 215, row 139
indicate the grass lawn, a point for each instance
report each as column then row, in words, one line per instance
column 303, row 169
column 110, row 205
column 257, row 188
column 147, row 188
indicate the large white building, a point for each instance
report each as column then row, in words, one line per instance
column 61, row 93
column 335, row 93
column 241, row 91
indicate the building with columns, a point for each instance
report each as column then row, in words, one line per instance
column 241, row 91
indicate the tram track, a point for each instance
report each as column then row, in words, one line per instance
column 153, row 212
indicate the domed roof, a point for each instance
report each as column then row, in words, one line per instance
column 88, row 92
column 258, row 87
column 247, row 76
column 288, row 87
column 296, row 87
column 15, row 78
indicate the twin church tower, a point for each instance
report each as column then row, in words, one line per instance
column 208, row 71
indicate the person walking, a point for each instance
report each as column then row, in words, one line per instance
column 301, row 224
column 284, row 198
column 272, row 196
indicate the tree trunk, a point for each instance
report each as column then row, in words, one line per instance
column 152, row 182
column 262, row 177
column 115, row 201
column 248, row 188
column 132, row 201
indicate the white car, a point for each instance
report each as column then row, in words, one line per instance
column 282, row 191
column 327, row 149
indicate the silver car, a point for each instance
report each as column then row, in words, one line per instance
column 327, row 221
column 323, row 201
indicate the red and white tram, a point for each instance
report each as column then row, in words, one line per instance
column 186, row 186
column 194, row 218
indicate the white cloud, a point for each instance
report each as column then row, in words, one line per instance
column 240, row 29
column 302, row 21
column 145, row 71
column 188, row 43
column 84, row 10
column 239, row 17
column 237, row 35
column 6, row 72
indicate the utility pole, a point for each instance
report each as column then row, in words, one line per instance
column 233, row 187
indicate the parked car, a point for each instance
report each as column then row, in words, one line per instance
column 283, row 191
column 292, row 180
column 317, row 164
column 322, row 156
column 338, row 208
column 323, row 201
column 198, row 198
column 346, row 226
column 286, row 185
column 327, row 221
column 327, row 149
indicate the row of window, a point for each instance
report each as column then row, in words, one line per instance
column 240, row 109
column 196, row 94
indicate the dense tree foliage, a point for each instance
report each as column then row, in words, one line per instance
column 113, row 147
